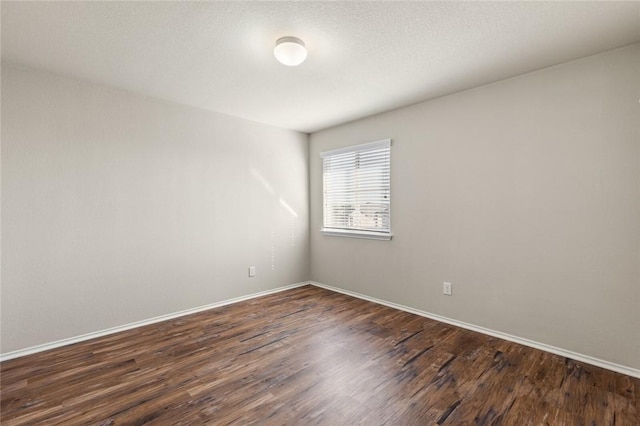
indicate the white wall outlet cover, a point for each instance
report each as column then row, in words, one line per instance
column 252, row 271
column 446, row 288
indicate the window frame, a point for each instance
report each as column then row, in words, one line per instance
column 356, row 233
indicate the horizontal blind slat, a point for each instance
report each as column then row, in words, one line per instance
column 356, row 188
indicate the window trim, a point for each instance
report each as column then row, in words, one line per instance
column 352, row 233
column 355, row 233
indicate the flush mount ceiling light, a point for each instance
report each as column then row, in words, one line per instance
column 290, row 51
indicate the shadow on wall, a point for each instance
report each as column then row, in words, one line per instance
column 294, row 215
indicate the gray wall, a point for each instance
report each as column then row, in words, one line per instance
column 118, row 208
column 525, row 194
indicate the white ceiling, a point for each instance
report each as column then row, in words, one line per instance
column 364, row 57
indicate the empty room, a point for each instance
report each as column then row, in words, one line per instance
column 320, row 213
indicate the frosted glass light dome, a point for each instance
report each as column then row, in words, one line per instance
column 290, row 51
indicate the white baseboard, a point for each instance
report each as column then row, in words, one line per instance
column 623, row 369
column 537, row 345
column 93, row 335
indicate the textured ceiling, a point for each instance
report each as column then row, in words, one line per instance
column 364, row 57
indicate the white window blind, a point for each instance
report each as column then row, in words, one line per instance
column 357, row 191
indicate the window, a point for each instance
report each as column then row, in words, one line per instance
column 357, row 191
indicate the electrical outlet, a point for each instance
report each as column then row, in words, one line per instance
column 252, row 271
column 446, row 288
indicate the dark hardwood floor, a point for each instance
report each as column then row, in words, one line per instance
column 309, row 356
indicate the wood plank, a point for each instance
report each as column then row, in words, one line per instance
column 309, row 356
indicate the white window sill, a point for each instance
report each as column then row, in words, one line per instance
column 355, row 234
